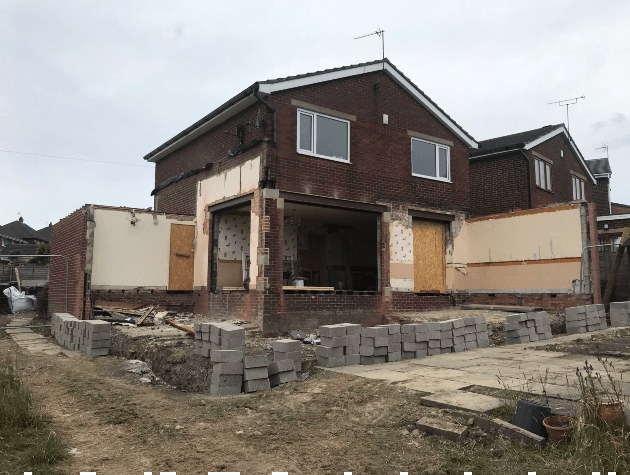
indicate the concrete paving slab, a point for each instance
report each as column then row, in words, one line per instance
column 445, row 373
column 443, row 428
column 432, row 385
column 463, row 400
column 18, row 330
column 386, row 375
column 26, row 336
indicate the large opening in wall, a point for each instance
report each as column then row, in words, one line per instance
column 329, row 249
column 232, row 230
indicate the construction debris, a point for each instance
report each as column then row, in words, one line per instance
column 526, row 327
column 88, row 336
column 585, row 319
column 288, row 349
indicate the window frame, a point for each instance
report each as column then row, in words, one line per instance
column 543, row 174
column 578, row 188
column 437, row 161
column 313, row 153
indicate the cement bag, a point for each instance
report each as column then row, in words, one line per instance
column 19, row 301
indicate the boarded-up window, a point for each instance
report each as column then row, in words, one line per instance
column 429, row 261
column 181, row 262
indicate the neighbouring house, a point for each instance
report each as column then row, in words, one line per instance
column 345, row 195
column 528, row 170
column 18, row 232
column 19, row 239
column 121, row 256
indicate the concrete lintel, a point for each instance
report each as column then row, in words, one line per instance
column 323, row 110
column 430, row 138
column 270, row 193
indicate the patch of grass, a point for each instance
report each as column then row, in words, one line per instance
column 27, row 442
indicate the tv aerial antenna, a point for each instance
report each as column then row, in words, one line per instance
column 567, row 102
column 603, row 147
column 381, row 34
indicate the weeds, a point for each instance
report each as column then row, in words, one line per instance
column 28, row 444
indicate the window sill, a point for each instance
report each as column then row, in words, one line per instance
column 443, row 180
column 332, row 159
column 544, row 189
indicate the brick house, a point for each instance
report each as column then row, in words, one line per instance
column 529, row 170
column 325, row 180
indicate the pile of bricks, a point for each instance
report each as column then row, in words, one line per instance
column 281, row 372
column 394, row 342
column 619, row 314
column 289, row 349
column 218, row 336
column 88, row 336
column 255, row 374
column 526, row 327
column 227, row 372
column 414, row 340
column 585, row 319
column 374, row 345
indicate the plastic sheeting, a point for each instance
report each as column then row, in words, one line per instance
column 19, row 301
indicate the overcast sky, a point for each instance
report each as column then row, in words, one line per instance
column 112, row 80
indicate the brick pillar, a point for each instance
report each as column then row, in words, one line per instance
column 384, row 262
column 271, row 239
column 595, row 273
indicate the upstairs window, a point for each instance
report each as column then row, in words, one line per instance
column 430, row 160
column 543, row 174
column 323, row 136
column 578, row 189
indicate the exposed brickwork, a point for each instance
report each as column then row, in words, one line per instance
column 618, row 208
column 178, row 302
column 600, row 196
column 614, row 224
column 498, row 184
column 595, row 267
column 68, row 238
column 550, row 302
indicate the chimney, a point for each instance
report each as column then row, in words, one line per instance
column 21, row 219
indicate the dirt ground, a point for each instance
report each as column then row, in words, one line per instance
column 609, row 344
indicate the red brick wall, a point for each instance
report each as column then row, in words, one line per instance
column 550, row 302
column 68, row 239
column 498, row 184
column 600, row 196
column 614, row 224
column 561, row 182
column 618, row 208
column 595, row 267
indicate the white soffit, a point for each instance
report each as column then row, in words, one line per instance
column 613, row 217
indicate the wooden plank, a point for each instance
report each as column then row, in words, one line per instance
column 17, row 276
column 610, row 284
column 293, row 287
column 181, row 262
column 503, row 308
column 230, row 273
column 121, row 305
column 180, row 326
column 144, row 315
column 429, row 256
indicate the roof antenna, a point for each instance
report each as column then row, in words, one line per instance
column 381, row 34
column 567, row 102
column 605, row 147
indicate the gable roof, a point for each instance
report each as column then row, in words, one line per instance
column 44, row 233
column 246, row 98
column 19, row 230
column 526, row 141
column 599, row 166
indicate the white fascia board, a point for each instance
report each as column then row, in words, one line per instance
column 613, row 217
column 319, row 78
column 203, row 128
column 602, row 175
column 494, row 153
column 553, row 133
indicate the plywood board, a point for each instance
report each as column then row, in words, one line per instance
column 229, row 273
column 429, row 251
column 182, row 258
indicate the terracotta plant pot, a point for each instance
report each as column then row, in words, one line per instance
column 557, row 426
column 611, row 410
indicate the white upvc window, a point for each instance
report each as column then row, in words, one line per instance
column 323, row 136
column 543, row 174
column 578, row 189
column 430, row 160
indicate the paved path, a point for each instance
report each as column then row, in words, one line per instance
column 516, row 367
column 34, row 342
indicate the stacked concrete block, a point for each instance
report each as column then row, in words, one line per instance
column 227, row 372
column 434, row 336
column 88, row 336
column 255, row 374
column 288, row 349
column 586, row 318
column 446, row 336
column 526, row 327
column 619, row 314
column 352, row 350
column 374, row 345
column 394, row 342
column 280, row 372
column 414, row 340
column 218, row 336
